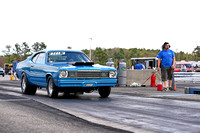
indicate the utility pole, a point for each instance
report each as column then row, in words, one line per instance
column 90, row 49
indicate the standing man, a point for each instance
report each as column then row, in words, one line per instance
column 166, row 58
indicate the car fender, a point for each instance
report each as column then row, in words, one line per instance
column 55, row 78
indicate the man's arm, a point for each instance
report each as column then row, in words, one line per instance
column 159, row 60
column 174, row 60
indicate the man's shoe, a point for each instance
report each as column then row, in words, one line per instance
column 170, row 88
column 165, row 89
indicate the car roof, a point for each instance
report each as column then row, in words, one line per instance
column 59, row 50
column 183, row 63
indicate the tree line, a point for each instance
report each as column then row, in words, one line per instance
column 21, row 51
column 99, row 55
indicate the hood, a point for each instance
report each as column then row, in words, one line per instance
column 81, row 66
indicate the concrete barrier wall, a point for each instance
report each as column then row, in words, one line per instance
column 140, row 76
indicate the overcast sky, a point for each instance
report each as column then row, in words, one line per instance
column 110, row 23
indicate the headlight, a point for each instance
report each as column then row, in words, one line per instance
column 63, row 74
column 112, row 74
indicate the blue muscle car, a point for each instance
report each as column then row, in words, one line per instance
column 65, row 71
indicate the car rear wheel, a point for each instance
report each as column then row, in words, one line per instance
column 104, row 91
column 52, row 89
column 26, row 87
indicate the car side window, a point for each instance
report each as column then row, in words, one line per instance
column 41, row 58
column 35, row 58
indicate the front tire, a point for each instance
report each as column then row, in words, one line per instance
column 104, row 91
column 26, row 87
column 52, row 89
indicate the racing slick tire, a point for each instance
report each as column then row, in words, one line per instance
column 26, row 87
column 52, row 89
column 104, row 91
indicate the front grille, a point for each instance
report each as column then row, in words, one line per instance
column 88, row 74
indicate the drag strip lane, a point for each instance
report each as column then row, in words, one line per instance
column 21, row 115
column 126, row 112
column 41, row 97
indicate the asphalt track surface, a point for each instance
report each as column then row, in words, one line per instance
column 24, row 115
column 136, row 112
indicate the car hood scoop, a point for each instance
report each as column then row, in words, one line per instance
column 81, row 63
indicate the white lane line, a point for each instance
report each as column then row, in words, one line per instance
column 12, row 100
column 163, row 95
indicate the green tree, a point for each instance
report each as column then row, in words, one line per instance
column 43, row 46
column 100, row 56
column 196, row 53
column 17, row 51
column 25, row 50
column 69, row 47
column 8, row 54
column 38, row 46
column 182, row 55
column 120, row 54
column 110, row 53
column 86, row 52
column 133, row 52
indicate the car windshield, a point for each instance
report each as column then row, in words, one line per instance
column 188, row 65
column 63, row 56
column 180, row 65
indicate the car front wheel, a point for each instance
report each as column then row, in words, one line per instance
column 26, row 87
column 52, row 89
column 104, row 91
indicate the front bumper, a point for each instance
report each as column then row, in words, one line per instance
column 86, row 83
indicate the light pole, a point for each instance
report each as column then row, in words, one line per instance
column 90, row 49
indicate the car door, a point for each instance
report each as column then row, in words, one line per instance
column 31, row 73
column 38, row 70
